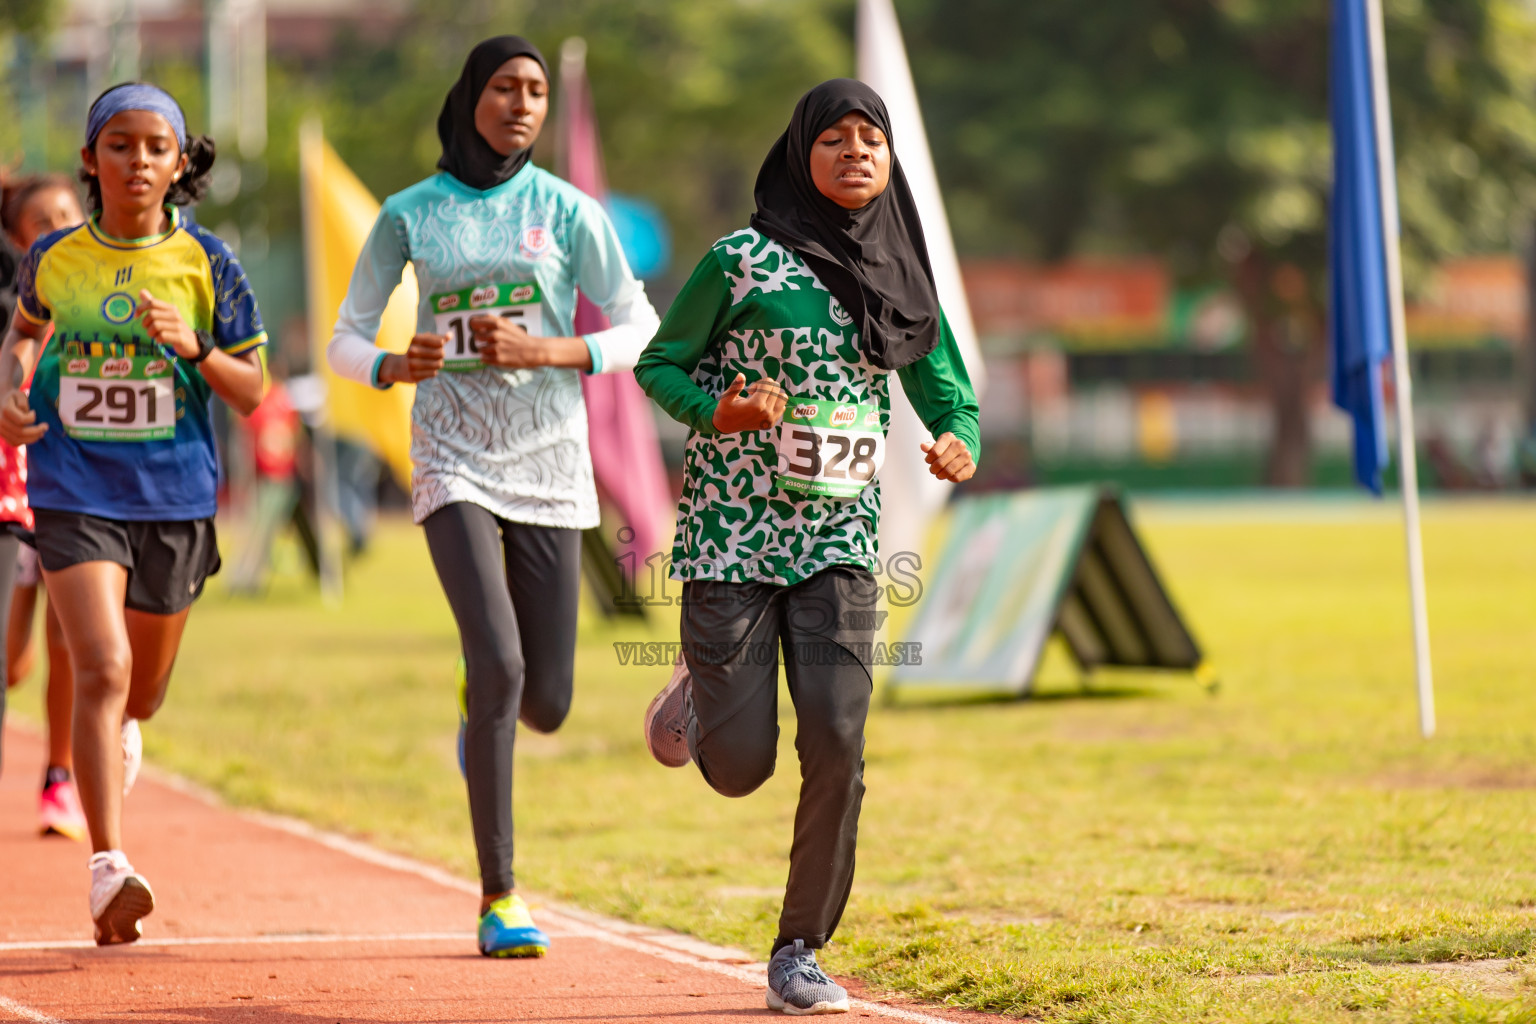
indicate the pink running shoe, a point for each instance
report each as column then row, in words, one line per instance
column 59, row 812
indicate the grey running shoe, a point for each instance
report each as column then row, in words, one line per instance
column 798, row 986
column 666, row 720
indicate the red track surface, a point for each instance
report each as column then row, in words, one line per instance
column 261, row 924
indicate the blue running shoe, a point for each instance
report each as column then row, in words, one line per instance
column 507, row 930
column 461, row 684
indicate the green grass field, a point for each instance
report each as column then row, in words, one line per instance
column 1136, row 850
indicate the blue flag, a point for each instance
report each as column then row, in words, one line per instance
column 1359, row 322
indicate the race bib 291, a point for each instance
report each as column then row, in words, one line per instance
column 117, row 398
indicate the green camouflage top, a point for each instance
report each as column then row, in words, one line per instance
column 753, row 306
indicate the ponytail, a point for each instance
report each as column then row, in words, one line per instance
column 193, row 184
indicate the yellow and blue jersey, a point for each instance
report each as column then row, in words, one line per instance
column 87, row 284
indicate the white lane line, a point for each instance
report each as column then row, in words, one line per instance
column 14, row 1008
column 663, row 945
column 243, row 940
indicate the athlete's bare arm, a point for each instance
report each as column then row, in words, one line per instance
column 238, row 379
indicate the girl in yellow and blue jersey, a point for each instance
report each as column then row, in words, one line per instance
column 151, row 317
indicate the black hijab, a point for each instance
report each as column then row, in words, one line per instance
column 466, row 154
column 873, row 259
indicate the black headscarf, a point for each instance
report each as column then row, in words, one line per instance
column 466, row 154
column 873, row 259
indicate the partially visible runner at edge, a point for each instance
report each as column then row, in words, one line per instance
column 152, row 316
column 502, row 479
column 30, row 208
column 778, row 355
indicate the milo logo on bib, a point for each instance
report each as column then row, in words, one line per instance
column 832, row 449
column 520, row 302
column 117, row 398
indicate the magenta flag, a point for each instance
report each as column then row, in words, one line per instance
column 626, row 456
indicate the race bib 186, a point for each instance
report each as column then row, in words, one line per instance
column 452, row 311
column 829, row 448
column 117, row 398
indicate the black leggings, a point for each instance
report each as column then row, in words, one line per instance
column 513, row 588
column 732, row 636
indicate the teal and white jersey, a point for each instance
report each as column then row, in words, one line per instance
column 511, row 441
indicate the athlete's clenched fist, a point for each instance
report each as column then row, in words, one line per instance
column 422, row 359
column 164, row 323
column 500, row 342
column 742, row 409
column 949, row 458
column 18, row 423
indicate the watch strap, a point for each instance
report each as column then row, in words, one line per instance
column 205, row 346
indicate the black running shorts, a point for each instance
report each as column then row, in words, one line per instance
column 167, row 562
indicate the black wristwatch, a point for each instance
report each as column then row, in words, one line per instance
column 204, row 346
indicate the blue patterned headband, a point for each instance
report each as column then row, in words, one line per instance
column 135, row 96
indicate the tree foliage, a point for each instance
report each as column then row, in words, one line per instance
column 1137, row 126
column 1198, row 130
column 28, row 17
column 689, row 96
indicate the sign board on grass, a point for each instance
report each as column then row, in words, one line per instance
column 1018, row 567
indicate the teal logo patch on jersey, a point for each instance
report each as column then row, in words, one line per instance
column 118, row 308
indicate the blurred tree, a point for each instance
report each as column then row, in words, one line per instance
column 689, row 96
column 27, row 16
column 1199, row 129
column 24, row 24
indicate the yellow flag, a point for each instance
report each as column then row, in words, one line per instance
column 339, row 211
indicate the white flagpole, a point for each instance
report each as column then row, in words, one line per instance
column 1408, row 468
column 912, row 497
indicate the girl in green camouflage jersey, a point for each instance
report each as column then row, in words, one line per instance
column 778, row 354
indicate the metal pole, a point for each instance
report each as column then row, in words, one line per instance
column 221, row 58
column 1386, row 168
column 34, row 74
column 250, row 102
column 124, row 41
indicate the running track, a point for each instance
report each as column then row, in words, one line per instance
column 261, row 920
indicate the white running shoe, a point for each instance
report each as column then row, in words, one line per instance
column 119, row 898
column 133, row 753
